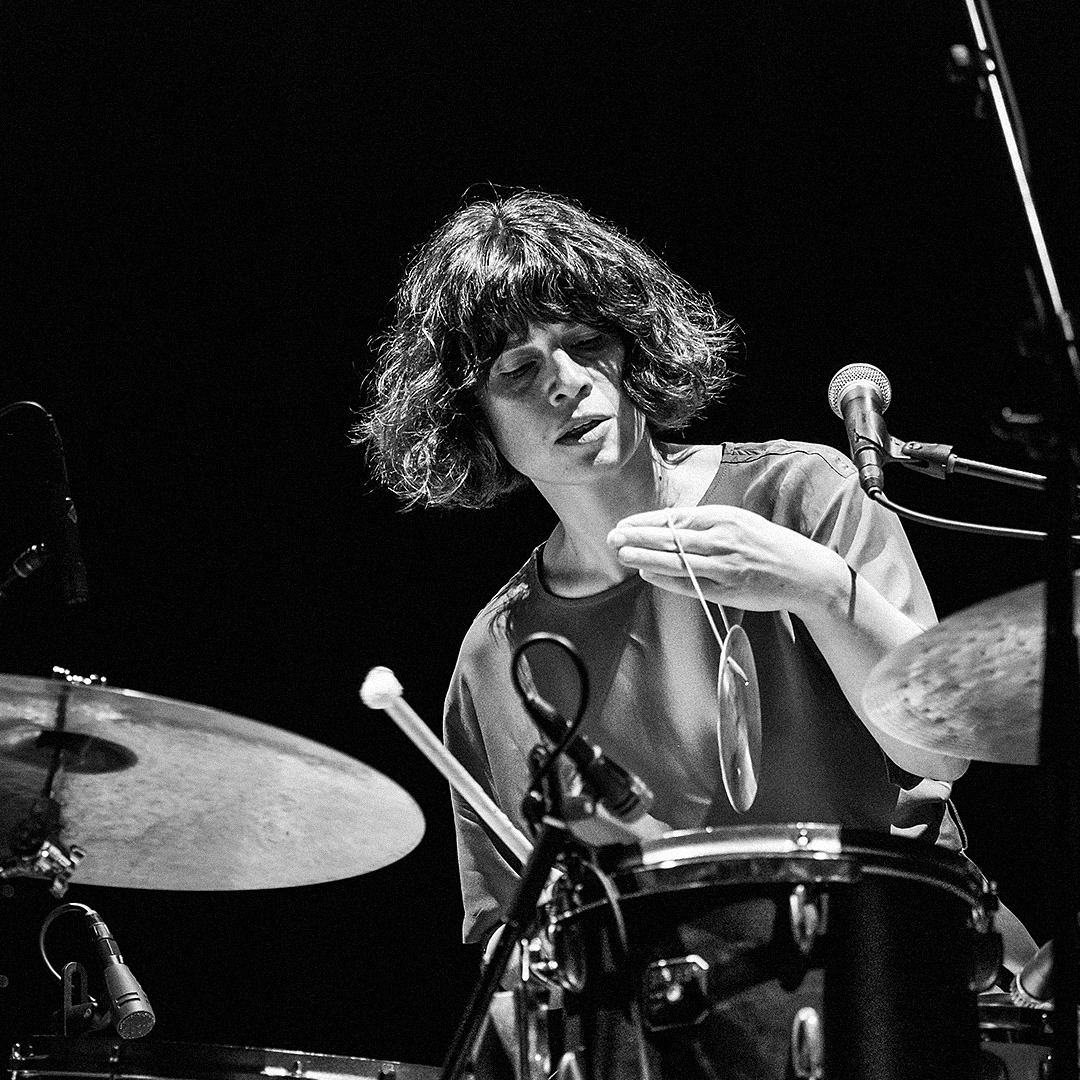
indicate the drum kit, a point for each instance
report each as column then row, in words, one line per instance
column 861, row 955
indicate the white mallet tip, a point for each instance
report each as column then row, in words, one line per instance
column 380, row 686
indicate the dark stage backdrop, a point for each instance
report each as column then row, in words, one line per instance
column 208, row 208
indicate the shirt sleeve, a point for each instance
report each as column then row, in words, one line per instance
column 871, row 540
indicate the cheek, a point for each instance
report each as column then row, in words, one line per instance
column 501, row 425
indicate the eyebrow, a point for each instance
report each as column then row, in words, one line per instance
column 516, row 340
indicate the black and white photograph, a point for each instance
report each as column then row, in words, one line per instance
column 537, row 541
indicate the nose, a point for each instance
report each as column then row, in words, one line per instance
column 568, row 378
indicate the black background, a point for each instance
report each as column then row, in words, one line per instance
column 207, row 211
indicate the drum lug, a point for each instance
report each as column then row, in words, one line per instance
column 560, row 961
column 674, row 993
column 538, row 963
column 807, row 1045
column 985, row 908
column 809, row 918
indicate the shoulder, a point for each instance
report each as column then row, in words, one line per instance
column 487, row 641
column 783, row 455
column 793, row 483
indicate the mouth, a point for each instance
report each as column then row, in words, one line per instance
column 580, row 430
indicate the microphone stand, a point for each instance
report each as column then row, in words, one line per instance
column 1059, row 746
column 553, row 840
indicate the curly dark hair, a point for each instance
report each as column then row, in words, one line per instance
column 491, row 269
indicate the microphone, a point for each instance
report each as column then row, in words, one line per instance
column 32, row 559
column 72, row 571
column 624, row 795
column 859, row 394
column 131, row 1011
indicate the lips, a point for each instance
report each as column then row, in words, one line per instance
column 580, row 427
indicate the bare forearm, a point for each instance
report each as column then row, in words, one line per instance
column 854, row 627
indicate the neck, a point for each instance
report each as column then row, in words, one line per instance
column 577, row 559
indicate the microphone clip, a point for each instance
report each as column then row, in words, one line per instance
column 79, row 1013
column 931, row 459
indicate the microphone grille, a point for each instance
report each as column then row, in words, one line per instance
column 855, row 373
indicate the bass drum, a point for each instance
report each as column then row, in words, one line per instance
column 768, row 952
column 55, row 1058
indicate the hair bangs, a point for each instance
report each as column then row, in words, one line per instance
column 517, row 281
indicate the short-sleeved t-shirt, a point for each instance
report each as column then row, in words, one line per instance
column 652, row 661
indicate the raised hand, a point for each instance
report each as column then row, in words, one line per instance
column 740, row 558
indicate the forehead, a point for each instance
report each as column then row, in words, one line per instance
column 537, row 330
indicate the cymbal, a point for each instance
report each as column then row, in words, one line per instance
column 970, row 686
column 162, row 794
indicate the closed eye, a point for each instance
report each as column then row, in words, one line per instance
column 518, row 372
column 590, row 343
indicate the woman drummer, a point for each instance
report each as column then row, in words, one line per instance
column 534, row 343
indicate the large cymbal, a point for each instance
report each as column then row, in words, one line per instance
column 168, row 795
column 970, row 686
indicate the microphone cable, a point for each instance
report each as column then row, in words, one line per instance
column 527, row 694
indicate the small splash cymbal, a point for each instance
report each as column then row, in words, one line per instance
column 163, row 794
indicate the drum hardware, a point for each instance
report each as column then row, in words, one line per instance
column 540, row 964
column 809, row 918
column 807, row 1045
column 674, row 993
column 552, row 843
column 681, row 991
column 566, row 966
column 796, row 936
column 51, row 860
column 36, row 847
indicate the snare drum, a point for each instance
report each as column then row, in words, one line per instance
column 773, row 951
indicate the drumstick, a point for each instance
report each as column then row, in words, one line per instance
column 381, row 690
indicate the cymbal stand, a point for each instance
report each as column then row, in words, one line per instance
column 552, row 842
column 35, row 840
column 1060, row 739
